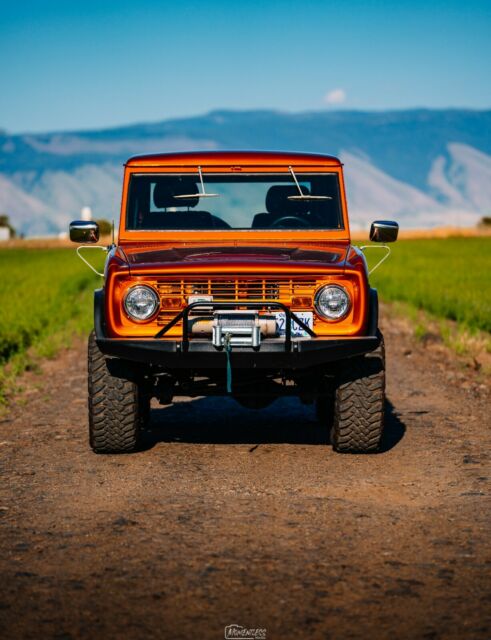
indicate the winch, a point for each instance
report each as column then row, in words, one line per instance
column 241, row 328
column 245, row 328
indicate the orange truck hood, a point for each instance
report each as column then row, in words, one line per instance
column 236, row 259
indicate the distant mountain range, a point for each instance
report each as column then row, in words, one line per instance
column 421, row 167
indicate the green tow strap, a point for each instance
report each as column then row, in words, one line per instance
column 228, row 350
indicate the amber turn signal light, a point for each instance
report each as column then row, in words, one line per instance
column 171, row 303
column 304, row 302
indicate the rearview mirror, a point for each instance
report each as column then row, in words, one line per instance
column 384, row 231
column 84, row 231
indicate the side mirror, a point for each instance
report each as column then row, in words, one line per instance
column 384, row 231
column 84, row 231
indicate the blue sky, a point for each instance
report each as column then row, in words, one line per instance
column 78, row 65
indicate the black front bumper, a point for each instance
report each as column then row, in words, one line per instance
column 276, row 353
column 201, row 354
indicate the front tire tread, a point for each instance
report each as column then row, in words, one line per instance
column 114, row 406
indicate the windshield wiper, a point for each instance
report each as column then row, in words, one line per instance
column 203, row 193
column 304, row 196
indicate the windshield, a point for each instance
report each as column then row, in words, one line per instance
column 234, row 201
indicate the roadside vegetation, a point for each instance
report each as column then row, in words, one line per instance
column 442, row 286
column 450, row 278
column 45, row 299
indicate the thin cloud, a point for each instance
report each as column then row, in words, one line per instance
column 336, row 96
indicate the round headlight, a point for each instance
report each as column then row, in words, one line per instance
column 141, row 302
column 332, row 302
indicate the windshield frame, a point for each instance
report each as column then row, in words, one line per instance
column 247, row 235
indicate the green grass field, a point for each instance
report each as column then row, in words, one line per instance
column 46, row 294
column 450, row 278
column 45, row 298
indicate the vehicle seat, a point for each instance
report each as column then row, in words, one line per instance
column 164, row 198
column 178, row 220
column 218, row 223
column 278, row 206
column 164, row 194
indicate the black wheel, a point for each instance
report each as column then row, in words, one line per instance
column 359, row 402
column 117, row 407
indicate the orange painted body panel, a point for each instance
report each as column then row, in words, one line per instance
column 143, row 256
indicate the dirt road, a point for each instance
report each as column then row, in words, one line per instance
column 231, row 516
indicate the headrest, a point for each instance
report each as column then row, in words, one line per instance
column 277, row 200
column 164, row 192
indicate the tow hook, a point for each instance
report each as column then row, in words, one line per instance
column 228, row 349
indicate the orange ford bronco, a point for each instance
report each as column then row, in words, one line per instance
column 234, row 274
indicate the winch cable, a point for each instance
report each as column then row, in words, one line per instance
column 228, row 350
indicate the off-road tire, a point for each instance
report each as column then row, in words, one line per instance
column 359, row 403
column 116, row 406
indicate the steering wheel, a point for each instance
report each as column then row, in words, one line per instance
column 284, row 221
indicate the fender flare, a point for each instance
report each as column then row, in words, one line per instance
column 372, row 312
column 99, row 314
